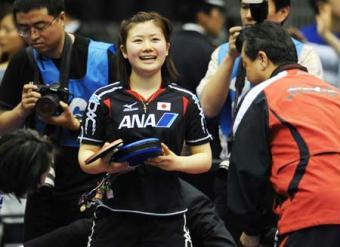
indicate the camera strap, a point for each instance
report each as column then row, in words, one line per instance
column 239, row 85
column 65, row 62
column 64, row 65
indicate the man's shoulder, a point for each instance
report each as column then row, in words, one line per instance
column 20, row 57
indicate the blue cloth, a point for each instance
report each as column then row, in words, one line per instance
column 80, row 89
column 311, row 34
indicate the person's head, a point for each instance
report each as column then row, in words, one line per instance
column 278, row 11
column 332, row 4
column 207, row 13
column 10, row 41
column 41, row 24
column 144, row 43
column 265, row 47
column 25, row 159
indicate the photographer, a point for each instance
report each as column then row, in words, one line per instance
column 65, row 69
column 219, row 91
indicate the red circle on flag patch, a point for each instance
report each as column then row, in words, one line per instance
column 163, row 106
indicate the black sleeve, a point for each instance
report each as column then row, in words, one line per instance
column 196, row 127
column 205, row 226
column 18, row 73
column 249, row 171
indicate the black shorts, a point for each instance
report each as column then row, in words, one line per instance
column 325, row 236
column 128, row 229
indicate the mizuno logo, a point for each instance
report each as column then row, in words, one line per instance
column 143, row 121
column 129, row 107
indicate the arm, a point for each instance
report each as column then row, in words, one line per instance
column 249, row 171
column 15, row 118
column 101, row 165
column 324, row 21
column 309, row 58
column 215, row 91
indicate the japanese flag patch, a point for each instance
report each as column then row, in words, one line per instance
column 163, row 106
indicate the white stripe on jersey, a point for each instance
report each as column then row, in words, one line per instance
column 94, row 103
column 196, row 101
column 250, row 97
column 198, row 140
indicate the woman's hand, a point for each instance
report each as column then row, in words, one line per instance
column 168, row 161
column 113, row 167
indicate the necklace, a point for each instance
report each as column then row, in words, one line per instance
column 145, row 102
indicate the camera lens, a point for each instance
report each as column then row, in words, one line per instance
column 47, row 105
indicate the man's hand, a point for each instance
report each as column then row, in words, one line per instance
column 324, row 20
column 29, row 98
column 65, row 119
column 234, row 32
column 249, row 241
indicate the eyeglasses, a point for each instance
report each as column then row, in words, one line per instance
column 25, row 31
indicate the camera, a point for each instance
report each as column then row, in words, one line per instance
column 258, row 9
column 259, row 12
column 48, row 104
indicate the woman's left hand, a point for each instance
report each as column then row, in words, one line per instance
column 168, row 161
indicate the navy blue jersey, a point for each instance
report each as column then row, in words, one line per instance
column 172, row 114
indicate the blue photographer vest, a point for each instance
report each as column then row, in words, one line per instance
column 226, row 112
column 97, row 75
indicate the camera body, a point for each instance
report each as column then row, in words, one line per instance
column 48, row 103
column 258, row 9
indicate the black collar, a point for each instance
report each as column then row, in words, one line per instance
column 288, row 66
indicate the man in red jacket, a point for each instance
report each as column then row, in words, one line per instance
column 287, row 138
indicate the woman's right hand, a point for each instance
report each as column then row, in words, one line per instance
column 114, row 167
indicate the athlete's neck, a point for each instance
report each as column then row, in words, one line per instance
column 145, row 86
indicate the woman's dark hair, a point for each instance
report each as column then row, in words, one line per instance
column 24, row 157
column 270, row 38
column 54, row 7
column 169, row 72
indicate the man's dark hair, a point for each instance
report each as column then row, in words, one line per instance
column 24, row 157
column 280, row 4
column 169, row 72
column 54, row 7
column 272, row 39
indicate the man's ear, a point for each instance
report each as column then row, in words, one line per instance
column 263, row 59
column 62, row 16
column 283, row 14
column 123, row 51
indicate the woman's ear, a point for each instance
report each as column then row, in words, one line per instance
column 123, row 51
column 167, row 48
